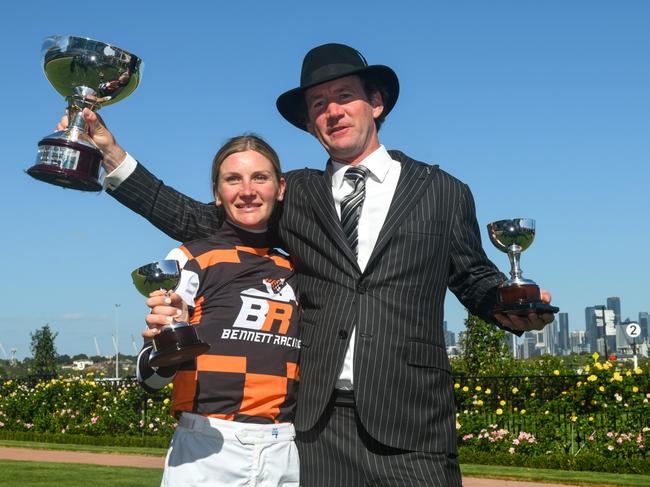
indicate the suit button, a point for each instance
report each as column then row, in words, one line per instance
column 343, row 334
column 361, row 289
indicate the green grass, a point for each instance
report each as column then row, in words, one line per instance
column 125, row 450
column 31, row 474
column 592, row 479
column 22, row 473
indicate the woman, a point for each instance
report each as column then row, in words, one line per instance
column 235, row 403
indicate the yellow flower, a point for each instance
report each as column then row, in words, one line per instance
column 502, row 402
column 599, row 366
column 488, row 391
column 639, row 371
column 595, row 356
column 635, row 389
column 591, row 418
column 515, row 390
column 477, row 388
column 628, row 373
column 456, row 385
column 479, row 402
column 546, row 412
column 523, row 411
column 592, row 378
column 556, row 372
column 532, row 394
column 458, row 425
column 465, row 389
column 579, row 384
column 574, row 418
column 617, row 377
column 166, row 401
column 564, row 393
column 601, row 389
column 499, row 412
column 587, row 368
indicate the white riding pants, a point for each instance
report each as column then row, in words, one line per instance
column 208, row 451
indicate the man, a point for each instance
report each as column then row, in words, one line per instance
column 376, row 239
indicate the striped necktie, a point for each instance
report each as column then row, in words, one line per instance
column 352, row 203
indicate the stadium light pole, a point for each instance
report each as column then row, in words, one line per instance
column 117, row 342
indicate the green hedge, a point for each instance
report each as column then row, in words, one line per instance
column 105, row 440
column 584, row 461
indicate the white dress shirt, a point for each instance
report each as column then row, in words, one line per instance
column 380, row 188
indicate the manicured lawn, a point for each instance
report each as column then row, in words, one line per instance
column 555, row 476
column 32, row 474
column 126, row 450
column 20, row 473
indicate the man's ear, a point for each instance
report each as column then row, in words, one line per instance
column 377, row 103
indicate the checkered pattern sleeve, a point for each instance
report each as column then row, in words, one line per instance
column 153, row 379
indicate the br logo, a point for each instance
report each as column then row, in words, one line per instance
column 268, row 310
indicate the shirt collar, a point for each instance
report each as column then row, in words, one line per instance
column 378, row 163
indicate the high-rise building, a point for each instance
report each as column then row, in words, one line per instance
column 577, row 342
column 614, row 303
column 564, row 333
column 606, row 325
column 591, row 329
column 549, row 339
column 644, row 323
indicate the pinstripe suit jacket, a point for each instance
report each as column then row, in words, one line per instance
column 430, row 241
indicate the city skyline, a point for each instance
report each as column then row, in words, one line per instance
column 541, row 108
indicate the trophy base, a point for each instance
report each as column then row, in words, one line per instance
column 67, row 164
column 522, row 299
column 176, row 345
column 523, row 309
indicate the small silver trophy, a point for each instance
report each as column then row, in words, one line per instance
column 176, row 343
column 517, row 295
column 89, row 74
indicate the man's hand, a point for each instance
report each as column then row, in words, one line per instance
column 532, row 322
column 166, row 309
column 102, row 137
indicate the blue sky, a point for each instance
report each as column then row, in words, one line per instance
column 543, row 108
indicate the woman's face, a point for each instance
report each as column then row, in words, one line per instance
column 247, row 189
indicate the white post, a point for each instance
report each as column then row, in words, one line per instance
column 117, row 342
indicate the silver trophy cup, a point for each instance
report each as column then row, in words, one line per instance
column 517, row 295
column 89, row 74
column 176, row 343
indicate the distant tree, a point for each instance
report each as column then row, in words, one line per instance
column 484, row 348
column 80, row 356
column 63, row 359
column 44, row 354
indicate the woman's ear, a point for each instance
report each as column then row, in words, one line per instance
column 217, row 200
column 282, row 185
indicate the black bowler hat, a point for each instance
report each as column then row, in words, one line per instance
column 331, row 61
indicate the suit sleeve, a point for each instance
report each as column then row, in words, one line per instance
column 177, row 215
column 473, row 278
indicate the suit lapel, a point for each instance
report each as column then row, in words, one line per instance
column 413, row 181
column 319, row 189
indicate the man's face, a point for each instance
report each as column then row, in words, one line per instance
column 342, row 118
